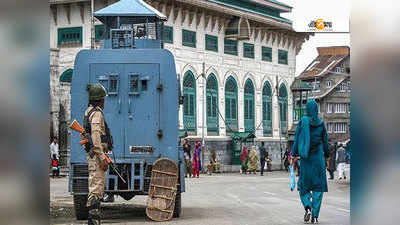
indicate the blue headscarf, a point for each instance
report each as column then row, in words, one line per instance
column 312, row 113
column 303, row 136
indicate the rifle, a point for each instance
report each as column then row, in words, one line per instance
column 86, row 139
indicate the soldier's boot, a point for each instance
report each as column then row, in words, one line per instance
column 94, row 215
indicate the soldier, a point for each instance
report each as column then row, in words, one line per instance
column 101, row 142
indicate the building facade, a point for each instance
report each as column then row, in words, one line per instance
column 235, row 61
column 329, row 77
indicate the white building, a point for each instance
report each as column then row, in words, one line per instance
column 247, row 49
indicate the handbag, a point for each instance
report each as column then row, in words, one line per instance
column 292, row 178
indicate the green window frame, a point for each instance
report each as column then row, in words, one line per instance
column 211, row 43
column 189, row 38
column 212, row 105
column 283, row 107
column 267, row 109
column 266, row 54
column 230, row 47
column 189, row 105
column 231, row 105
column 99, row 32
column 249, row 106
column 282, row 57
column 168, row 34
column 70, row 35
column 248, row 50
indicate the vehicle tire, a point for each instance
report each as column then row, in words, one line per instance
column 178, row 203
column 81, row 211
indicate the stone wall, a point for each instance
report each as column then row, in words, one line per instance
column 60, row 107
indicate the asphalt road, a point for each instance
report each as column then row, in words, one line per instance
column 219, row 199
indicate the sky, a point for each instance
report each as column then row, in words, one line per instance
column 337, row 11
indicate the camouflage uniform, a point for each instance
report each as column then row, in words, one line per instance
column 97, row 165
column 97, row 174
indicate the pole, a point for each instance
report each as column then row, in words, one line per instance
column 203, row 114
column 279, row 118
column 92, row 33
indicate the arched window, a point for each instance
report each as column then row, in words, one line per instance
column 212, row 105
column 189, row 106
column 267, row 108
column 283, row 107
column 66, row 76
column 248, row 106
column 231, row 105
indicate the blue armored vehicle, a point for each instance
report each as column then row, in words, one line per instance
column 141, row 108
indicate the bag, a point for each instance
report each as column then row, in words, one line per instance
column 292, row 178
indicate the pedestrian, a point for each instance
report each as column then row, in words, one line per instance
column 253, row 160
column 263, row 155
column 188, row 163
column 96, row 126
column 297, row 165
column 269, row 162
column 213, row 165
column 244, row 160
column 196, row 160
column 286, row 159
column 199, row 153
column 54, row 166
column 54, row 148
column 341, row 159
column 311, row 144
column 332, row 161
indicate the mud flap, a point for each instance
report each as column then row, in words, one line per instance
column 162, row 190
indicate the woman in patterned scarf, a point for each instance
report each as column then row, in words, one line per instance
column 253, row 160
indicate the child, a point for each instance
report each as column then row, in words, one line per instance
column 54, row 164
column 269, row 161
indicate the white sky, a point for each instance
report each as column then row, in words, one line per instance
column 335, row 12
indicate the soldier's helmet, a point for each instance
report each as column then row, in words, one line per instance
column 97, row 92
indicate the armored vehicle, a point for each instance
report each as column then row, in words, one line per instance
column 141, row 108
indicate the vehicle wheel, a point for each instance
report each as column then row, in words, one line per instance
column 81, row 211
column 178, row 203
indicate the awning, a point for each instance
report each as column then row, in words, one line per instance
column 242, row 136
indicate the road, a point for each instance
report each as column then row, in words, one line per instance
column 219, row 199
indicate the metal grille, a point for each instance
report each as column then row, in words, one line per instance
column 80, row 170
column 146, row 185
column 80, row 186
column 136, row 184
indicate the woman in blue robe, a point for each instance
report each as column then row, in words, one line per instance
column 311, row 144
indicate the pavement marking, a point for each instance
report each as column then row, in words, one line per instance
column 269, row 193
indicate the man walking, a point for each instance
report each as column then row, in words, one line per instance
column 341, row 160
column 54, row 149
column 263, row 155
column 96, row 126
